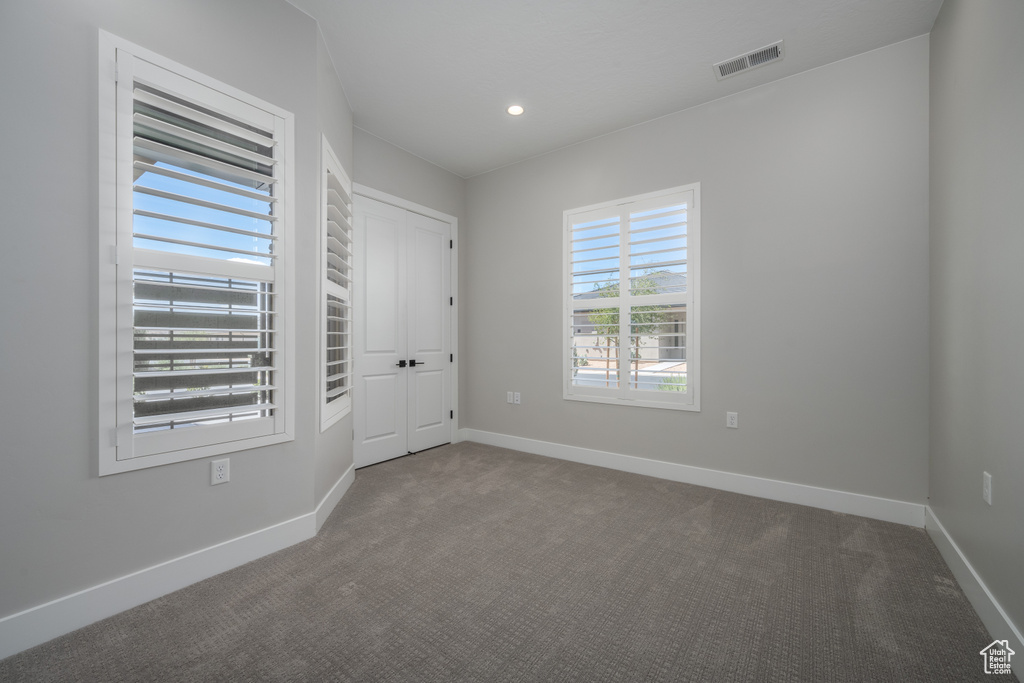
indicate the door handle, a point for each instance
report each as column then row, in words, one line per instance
column 413, row 363
column 400, row 363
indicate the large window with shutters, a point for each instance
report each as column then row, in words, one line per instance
column 195, row 298
column 336, row 289
column 632, row 301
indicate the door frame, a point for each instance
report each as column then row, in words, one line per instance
column 385, row 198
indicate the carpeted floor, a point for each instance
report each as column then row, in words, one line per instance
column 474, row 563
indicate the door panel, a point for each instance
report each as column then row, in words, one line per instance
column 383, row 282
column 427, row 412
column 382, row 394
column 380, row 411
column 428, row 292
column 429, row 266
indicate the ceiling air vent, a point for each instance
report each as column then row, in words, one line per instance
column 751, row 60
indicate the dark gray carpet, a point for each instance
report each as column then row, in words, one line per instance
column 473, row 563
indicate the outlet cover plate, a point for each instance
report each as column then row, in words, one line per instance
column 220, row 471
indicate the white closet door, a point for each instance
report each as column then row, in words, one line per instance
column 379, row 410
column 403, row 314
column 429, row 281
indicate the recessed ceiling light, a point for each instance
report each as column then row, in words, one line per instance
column 515, row 110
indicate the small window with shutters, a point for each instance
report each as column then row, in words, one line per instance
column 336, row 286
column 195, row 303
column 632, row 305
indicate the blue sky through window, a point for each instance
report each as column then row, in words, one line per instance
column 147, row 225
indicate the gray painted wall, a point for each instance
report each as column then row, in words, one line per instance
column 815, row 289
column 385, row 167
column 335, row 114
column 977, row 320
column 333, row 446
column 62, row 528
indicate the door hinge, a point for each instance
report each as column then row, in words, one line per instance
column 451, row 414
column 451, row 301
column 451, row 244
column 451, row 357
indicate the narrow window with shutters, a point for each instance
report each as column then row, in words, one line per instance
column 632, row 279
column 337, row 256
column 201, row 357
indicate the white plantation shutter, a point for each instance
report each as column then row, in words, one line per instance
column 594, row 266
column 657, row 250
column 203, row 350
column 200, row 220
column 336, row 335
column 657, row 326
column 631, row 284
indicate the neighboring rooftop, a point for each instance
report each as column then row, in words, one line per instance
column 662, row 281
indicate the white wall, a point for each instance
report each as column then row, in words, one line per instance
column 815, row 267
column 977, row 319
column 62, row 528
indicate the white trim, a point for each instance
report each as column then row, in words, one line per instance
column 453, row 343
column 377, row 195
column 287, row 300
column 996, row 620
column 39, row 624
column 105, row 414
column 110, row 41
column 334, row 496
column 331, row 413
column 885, row 509
column 193, row 453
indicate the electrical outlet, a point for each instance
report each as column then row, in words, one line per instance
column 220, row 471
column 986, row 487
column 732, row 420
column 515, row 398
column 509, row 397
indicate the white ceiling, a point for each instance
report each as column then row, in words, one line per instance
column 434, row 76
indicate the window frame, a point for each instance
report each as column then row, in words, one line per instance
column 120, row 449
column 332, row 411
column 621, row 208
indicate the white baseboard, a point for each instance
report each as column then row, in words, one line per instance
column 898, row 511
column 985, row 604
column 333, row 497
column 39, row 624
